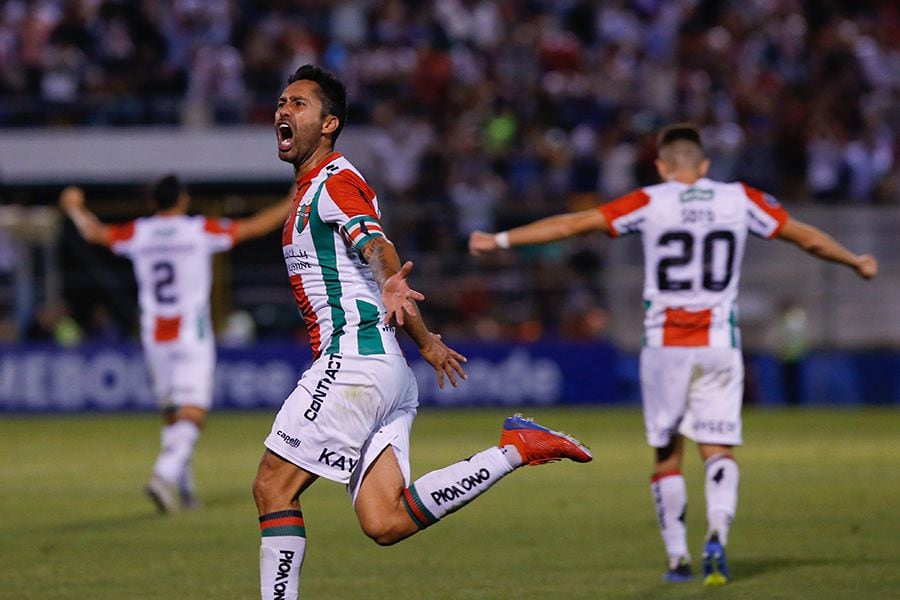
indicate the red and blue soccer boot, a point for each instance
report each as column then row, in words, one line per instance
column 538, row 445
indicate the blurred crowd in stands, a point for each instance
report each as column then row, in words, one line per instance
column 487, row 114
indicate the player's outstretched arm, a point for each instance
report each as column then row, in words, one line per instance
column 545, row 230
column 265, row 221
column 400, row 301
column 71, row 201
column 820, row 244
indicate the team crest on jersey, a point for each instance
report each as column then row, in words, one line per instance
column 303, row 216
column 695, row 194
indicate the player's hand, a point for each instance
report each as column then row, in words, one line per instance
column 482, row 243
column 446, row 361
column 867, row 266
column 398, row 296
column 71, row 198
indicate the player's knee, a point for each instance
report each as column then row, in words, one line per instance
column 383, row 532
column 265, row 492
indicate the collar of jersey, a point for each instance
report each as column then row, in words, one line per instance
column 311, row 174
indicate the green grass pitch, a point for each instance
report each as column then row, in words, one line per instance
column 819, row 514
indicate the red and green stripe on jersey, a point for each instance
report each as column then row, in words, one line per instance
column 334, row 216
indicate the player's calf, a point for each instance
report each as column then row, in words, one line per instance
column 442, row 492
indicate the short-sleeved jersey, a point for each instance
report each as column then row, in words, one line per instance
column 693, row 238
column 172, row 263
column 334, row 215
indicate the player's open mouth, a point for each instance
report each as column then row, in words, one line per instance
column 285, row 136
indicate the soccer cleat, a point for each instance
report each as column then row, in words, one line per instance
column 538, row 445
column 163, row 494
column 681, row 573
column 188, row 499
column 715, row 569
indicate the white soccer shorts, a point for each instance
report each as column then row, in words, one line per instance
column 182, row 372
column 343, row 413
column 694, row 391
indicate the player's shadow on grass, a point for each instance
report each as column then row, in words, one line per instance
column 749, row 568
column 213, row 501
column 109, row 523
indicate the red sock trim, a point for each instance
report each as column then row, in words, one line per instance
column 665, row 474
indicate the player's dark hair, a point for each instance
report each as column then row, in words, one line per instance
column 165, row 193
column 332, row 93
column 678, row 132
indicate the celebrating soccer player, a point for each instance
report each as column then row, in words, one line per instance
column 172, row 257
column 693, row 231
column 349, row 418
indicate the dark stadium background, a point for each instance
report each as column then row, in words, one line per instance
column 464, row 114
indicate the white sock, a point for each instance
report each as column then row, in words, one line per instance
column 722, row 479
column 186, row 484
column 177, row 441
column 281, row 554
column 441, row 492
column 670, row 498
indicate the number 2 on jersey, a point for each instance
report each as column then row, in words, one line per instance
column 164, row 277
column 685, row 254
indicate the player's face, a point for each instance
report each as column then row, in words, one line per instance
column 300, row 125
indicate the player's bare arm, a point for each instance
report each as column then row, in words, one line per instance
column 71, row 201
column 820, row 244
column 400, row 301
column 550, row 229
column 265, row 221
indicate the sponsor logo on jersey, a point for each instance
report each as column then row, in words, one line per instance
column 285, row 560
column 322, row 386
column 461, row 487
column 695, row 194
column 290, row 441
column 715, row 426
column 296, row 260
column 337, row 461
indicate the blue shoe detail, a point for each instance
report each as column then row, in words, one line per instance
column 674, row 577
column 517, row 421
column 680, row 574
column 537, row 444
column 715, row 566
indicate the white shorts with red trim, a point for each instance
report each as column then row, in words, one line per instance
column 345, row 410
column 694, row 391
column 182, row 372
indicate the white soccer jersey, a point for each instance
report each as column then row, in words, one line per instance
column 693, row 238
column 334, row 215
column 173, row 267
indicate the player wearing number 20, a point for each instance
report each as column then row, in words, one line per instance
column 693, row 231
column 171, row 253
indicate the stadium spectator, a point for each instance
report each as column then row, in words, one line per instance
column 53, row 322
column 349, row 418
column 798, row 98
column 693, row 231
column 171, row 254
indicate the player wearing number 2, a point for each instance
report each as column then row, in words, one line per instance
column 693, row 231
column 171, row 254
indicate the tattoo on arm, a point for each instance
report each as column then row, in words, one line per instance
column 382, row 257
